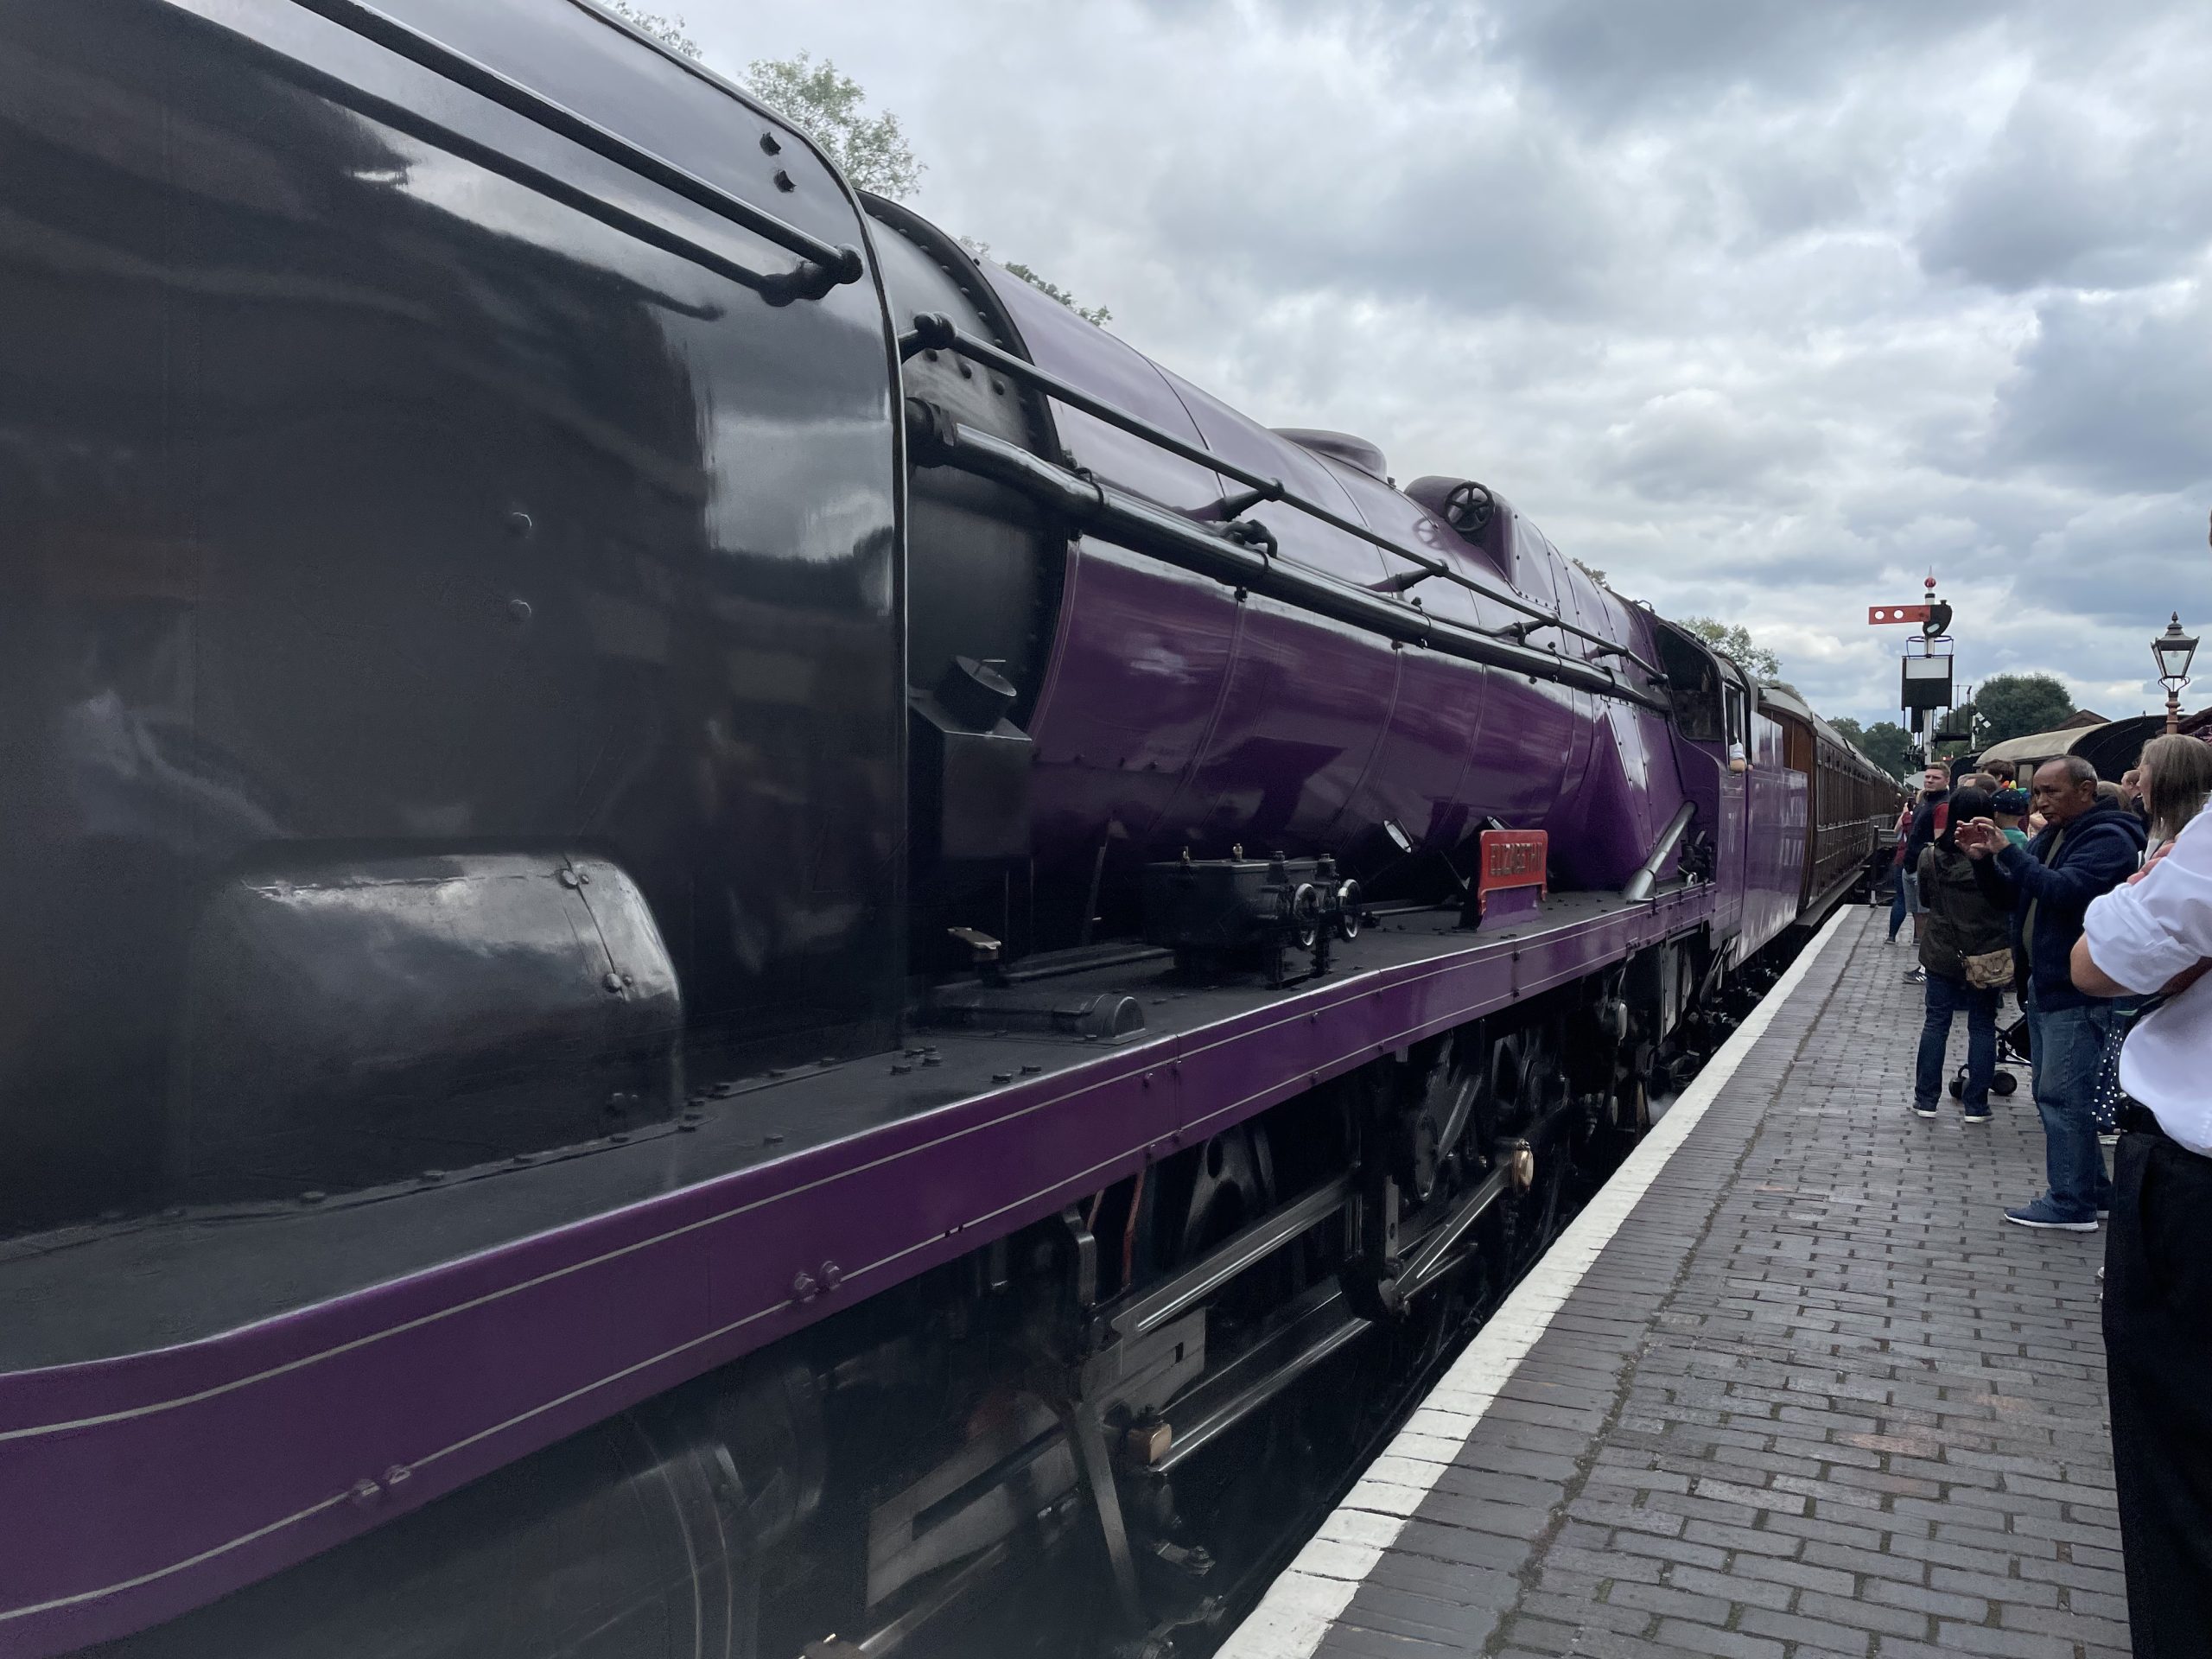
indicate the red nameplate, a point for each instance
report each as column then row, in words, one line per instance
column 1510, row 858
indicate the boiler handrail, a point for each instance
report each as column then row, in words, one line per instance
column 828, row 265
column 1235, row 555
column 934, row 331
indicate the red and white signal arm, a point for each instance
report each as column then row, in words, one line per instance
column 1896, row 612
column 1511, row 858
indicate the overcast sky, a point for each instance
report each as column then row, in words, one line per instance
column 1764, row 307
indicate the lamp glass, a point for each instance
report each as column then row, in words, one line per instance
column 2173, row 650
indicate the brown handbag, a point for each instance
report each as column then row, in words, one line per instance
column 1989, row 971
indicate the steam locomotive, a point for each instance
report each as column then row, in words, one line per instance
column 720, row 933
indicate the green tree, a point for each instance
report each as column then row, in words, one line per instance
column 1887, row 744
column 871, row 150
column 668, row 31
column 1735, row 640
column 2015, row 705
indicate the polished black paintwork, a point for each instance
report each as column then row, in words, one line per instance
column 322, row 1045
column 357, row 503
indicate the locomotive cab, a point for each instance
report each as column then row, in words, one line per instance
column 1696, row 685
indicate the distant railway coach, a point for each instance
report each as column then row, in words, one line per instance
column 724, row 939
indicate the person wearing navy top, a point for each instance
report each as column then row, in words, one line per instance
column 2086, row 848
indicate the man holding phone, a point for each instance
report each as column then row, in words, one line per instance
column 2086, row 848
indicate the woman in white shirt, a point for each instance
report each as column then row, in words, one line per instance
column 2155, row 934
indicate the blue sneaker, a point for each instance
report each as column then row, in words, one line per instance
column 1976, row 1114
column 2049, row 1217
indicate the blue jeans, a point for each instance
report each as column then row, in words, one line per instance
column 1897, row 899
column 2069, row 1046
column 1945, row 998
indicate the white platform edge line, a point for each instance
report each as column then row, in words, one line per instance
column 1309, row 1595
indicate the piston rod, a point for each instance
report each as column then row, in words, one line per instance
column 1231, row 1257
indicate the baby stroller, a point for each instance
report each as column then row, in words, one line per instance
column 2012, row 1045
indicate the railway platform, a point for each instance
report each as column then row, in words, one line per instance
column 1789, row 1387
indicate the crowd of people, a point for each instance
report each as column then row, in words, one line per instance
column 2092, row 903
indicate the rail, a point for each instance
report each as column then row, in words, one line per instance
column 1235, row 556
column 826, row 265
column 934, row 331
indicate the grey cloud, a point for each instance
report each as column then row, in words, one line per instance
column 1475, row 221
column 2115, row 392
column 1612, row 59
column 2125, row 562
column 2062, row 197
column 1785, row 191
column 1698, row 443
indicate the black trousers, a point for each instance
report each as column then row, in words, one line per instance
column 2158, row 1317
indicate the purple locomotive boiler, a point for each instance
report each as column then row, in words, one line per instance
column 725, row 939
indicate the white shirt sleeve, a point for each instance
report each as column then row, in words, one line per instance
column 2144, row 934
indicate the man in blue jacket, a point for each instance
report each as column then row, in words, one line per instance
column 2087, row 849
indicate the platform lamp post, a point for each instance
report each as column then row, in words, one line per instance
column 2172, row 651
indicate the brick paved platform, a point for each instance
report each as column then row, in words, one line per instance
column 1790, row 1387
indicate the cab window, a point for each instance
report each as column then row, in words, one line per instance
column 1694, row 686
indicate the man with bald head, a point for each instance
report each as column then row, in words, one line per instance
column 2087, row 849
